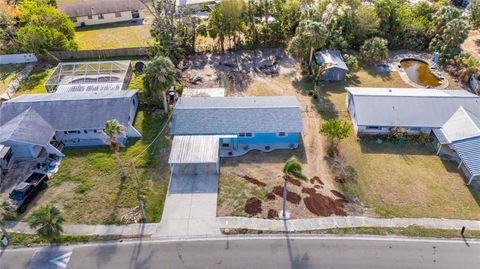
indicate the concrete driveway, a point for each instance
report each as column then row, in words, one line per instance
column 191, row 203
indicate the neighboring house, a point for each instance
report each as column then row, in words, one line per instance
column 451, row 117
column 101, row 12
column 78, row 118
column 206, row 128
column 335, row 67
column 27, row 135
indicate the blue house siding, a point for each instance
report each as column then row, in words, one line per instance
column 262, row 138
column 334, row 74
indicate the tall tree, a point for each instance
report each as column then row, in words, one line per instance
column 358, row 23
column 165, row 31
column 49, row 220
column 226, row 21
column 159, row 77
column 374, row 50
column 310, row 36
column 448, row 42
column 114, row 130
column 292, row 167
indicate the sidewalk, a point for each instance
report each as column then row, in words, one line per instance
column 296, row 225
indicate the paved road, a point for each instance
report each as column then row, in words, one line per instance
column 319, row 252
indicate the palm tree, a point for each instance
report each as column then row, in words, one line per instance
column 48, row 219
column 315, row 35
column 113, row 129
column 159, row 77
column 292, row 167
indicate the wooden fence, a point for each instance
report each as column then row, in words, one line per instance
column 95, row 54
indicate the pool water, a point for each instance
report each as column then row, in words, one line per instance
column 420, row 73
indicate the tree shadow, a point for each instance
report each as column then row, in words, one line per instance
column 296, row 261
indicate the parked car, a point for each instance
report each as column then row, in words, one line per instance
column 26, row 191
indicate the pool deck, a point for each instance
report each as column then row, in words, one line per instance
column 394, row 62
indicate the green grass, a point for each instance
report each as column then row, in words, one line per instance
column 393, row 180
column 113, row 36
column 34, row 83
column 7, row 74
column 21, row 239
column 233, row 192
column 88, row 187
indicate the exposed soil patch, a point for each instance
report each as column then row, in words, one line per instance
column 270, row 196
column 309, row 190
column 317, row 186
column 338, row 194
column 272, row 214
column 291, row 196
column 322, row 205
column 253, row 206
column 315, row 179
column 254, row 181
column 293, row 181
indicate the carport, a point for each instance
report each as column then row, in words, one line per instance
column 193, row 154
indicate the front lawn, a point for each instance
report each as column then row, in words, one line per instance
column 88, row 187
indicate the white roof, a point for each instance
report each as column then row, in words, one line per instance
column 461, row 125
column 194, row 149
column 90, row 87
column 409, row 107
column 203, row 92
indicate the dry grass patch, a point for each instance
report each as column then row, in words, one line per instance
column 7, row 73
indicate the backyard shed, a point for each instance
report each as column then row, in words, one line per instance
column 28, row 134
column 93, row 12
column 335, row 67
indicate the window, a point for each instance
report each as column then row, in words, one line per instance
column 73, row 19
column 135, row 14
column 95, row 131
column 245, row 134
column 100, row 17
column 65, row 132
column 133, row 100
column 281, row 134
column 374, row 128
column 73, row 132
column 118, row 14
column 85, row 131
column 90, row 17
column 225, row 145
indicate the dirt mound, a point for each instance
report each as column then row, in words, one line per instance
column 291, row 196
column 270, row 196
column 253, row 206
column 254, row 181
column 309, row 190
column 338, row 194
column 272, row 214
column 293, row 181
column 316, row 179
column 324, row 206
column 316, row 186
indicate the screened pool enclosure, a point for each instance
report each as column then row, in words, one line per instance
column 90, row 76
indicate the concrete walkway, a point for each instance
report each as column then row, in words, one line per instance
column 298, row 225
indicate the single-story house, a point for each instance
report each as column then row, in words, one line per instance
column 100, row 12
column 27, row 135
column 78, row 118
column 335, row 67
column 451, row 117
column 206, row 128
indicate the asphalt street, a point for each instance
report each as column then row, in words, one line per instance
column 259, row 252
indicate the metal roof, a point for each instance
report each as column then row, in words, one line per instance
column 469, row 152
column 203, row 92
column 73, row 110
column 409, row 107
column 87, row 8
column 27, row 127
column 231, row 115
column 331, row 58
column 194, row 149
column 461, row 125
